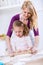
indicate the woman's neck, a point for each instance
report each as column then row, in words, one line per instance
column 25, row 21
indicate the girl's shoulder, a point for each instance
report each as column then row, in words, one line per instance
column 27, row 37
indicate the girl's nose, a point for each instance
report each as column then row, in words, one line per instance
column 17, row 34
column 26, row 14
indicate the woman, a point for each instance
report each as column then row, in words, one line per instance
column 29, row 17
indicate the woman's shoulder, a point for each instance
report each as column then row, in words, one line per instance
column 16, row 16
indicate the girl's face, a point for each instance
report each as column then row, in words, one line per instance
column 26, row 13
column 18, row 31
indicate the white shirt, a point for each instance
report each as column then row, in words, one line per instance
column 20, row 43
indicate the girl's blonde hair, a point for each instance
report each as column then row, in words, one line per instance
column 21, row 24
column 29, row 5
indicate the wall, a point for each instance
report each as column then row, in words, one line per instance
column 5, row 17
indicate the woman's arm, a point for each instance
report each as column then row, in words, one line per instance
column 9, row 32
column 36, row 37
column 36, row 34
column 9, row 46
column 36, row 41
column 35, row 45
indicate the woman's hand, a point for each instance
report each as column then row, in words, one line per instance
column 10, row 52
column 33, row 50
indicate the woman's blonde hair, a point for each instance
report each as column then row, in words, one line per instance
column 21, row 24
column 29, row 5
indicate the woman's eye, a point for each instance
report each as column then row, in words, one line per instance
column 29, row 13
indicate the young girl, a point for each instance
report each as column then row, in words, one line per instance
column 21, row 40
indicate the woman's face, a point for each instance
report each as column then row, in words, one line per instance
column 26, row 13
column 18, row 31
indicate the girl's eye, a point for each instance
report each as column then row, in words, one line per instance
column 24, row 12
column 15, row 32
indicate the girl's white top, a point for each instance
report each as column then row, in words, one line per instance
column 20, row 43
